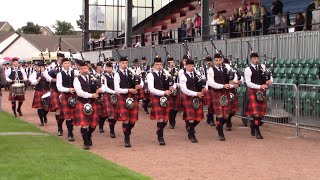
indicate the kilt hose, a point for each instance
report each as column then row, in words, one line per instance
column 107, row 109
column 189, row 113
column 37, row 100
column 66, row 111
column 255, row 107
column 234, row 103
column 158, row 112
column 54, row 100
column 124, row 114
column 215, row 101
column 15, row 98
column 86, row 120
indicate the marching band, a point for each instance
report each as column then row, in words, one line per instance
column 86, row 96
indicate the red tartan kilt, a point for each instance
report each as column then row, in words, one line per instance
column 207, row 97
column 188, row 112
column 141, row 93
column 235, row 103
column 84, row 120
column 215, row 102
column 15, row 98
column 175, row 101
column 107, row 108
column 37, row 100
column 66, row 111
column 255, row 107
column 124, row 114
column 145, row 95
column 54, row 101
column 158, row 112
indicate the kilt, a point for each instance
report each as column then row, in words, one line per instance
column 54, row 102
column 207, row 97
column 158, row 112
column 255, row 107
column 141, row 94
column 215, row 102
column 175, row 101
column 37, row 100
column 66, row 111
column 107, row 108
column 188, row 112
column 15, row 98
column 84, row 120
column 124, row 114
column 235, row 103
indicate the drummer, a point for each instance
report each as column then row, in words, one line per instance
column 42, row 86
column 16, row 75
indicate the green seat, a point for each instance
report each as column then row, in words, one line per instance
column 301, row 80
column 287, row 62
column 289, row 81
column 314, row 71
column 288, row 70
column 281, row 81
column 302, row 62
column 295, row 62
column 309, row 62
column 275, row 80
column 281, row 70
column 304, row 71
column 280, row 62
column 296, row 71
column 317, row 82
column 275, row 70
column 310, row 80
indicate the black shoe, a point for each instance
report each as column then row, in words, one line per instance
column 20, row 113
column 146, row 111
column 86, row 147
column 101, row 131
column 90, row 141
column 212, row 123
column 15, row 114
column 112, row 134
column 60, row 133
column 161, row 141
column 228, row 128
column 193, row 139
column 41, row 124
column 253, row 133
column 45, row 120
column 258, row 135
column 71, row 138
column 222, row 138
column 127, row 142
column 171, row 126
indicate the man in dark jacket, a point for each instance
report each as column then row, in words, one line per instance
column 2, row 83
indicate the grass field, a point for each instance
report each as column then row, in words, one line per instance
column 48, row 157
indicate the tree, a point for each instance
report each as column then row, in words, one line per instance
column 63, row 28
column 80, row 23
column 30, row 28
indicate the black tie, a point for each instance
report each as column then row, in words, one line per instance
column 159, row 73
column 256, row 67
column 125, row 72
column 68, row 73
column 191, row 75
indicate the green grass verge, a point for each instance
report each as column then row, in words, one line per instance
column 8, row 123
column 48, row 157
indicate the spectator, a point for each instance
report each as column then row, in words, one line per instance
column 245, row 6
column 299, row 22
column 189, row 29
column 197, row 23
column 215, row 26
column 255, row 23
column 277, row 10
column 101, row 40
column 316, row 16
column 265, row 13
column 233, row 24
column 309, row 15
column 2, row 83
column 182, row 30
column 222, row 22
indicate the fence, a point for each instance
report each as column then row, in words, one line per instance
column 288, row 105
column 292, row 45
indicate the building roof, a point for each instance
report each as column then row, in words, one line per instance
column 2, row 23
column 4, row 35
column 50, row 42
column 47, row 29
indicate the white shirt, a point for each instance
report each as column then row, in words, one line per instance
column 211, row 82
column 105, row 86
column 33, row 78
column 59, row 80
column 46, row 72
column 78, row 88
column 183, row 85
column 248, row 74
column 117, row 83
column 8, row 72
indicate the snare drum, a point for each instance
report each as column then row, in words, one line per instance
column 18, row 89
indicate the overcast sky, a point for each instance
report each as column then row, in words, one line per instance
column 41, row 12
